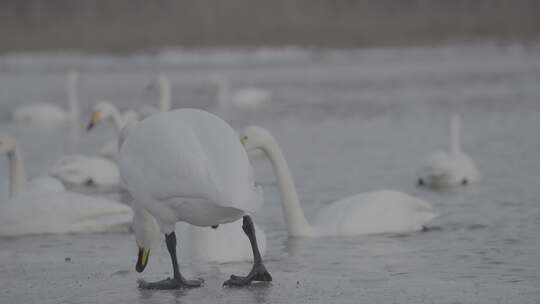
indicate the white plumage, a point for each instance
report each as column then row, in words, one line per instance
column 450, row 169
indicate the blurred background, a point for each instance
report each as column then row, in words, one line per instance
column 131, row 25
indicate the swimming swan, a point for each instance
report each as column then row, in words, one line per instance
column 48, row 113
column 452, row 169
column 86, row 170
column 164, row 85
column 249, row 97
column 46, row 210
column 384, row 211
column 187, row 165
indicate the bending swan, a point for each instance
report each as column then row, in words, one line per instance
column 452, row 169
column 187, row 166
column 45, row 209
column 384, row 211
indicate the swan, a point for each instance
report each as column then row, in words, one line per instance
column 86, row 170
column 187, row 165
column 244, row 98
column 452, row 169
column 50, row 114
column 384, row 211
column 105, row 110
column 164, row 85
column 44, row 207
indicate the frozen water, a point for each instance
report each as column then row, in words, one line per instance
column 348, row 122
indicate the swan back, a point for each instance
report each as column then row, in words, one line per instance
column 193, row 154
column 79, row 170
column 377, row 212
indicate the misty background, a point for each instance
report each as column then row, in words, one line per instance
column 129, row 25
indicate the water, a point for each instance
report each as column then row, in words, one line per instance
column 348, row 122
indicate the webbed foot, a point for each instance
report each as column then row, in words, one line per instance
column 258, row 273
column 169, row 283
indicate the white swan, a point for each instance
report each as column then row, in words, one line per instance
column 250, row 97
column 105, row 110
column 187, row 165
column 86, row 170
column 45, row 208
column 452, row 169
column 50, row 114
column 164, row 85
column 383, row 211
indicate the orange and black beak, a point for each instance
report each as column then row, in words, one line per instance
column 96, row 118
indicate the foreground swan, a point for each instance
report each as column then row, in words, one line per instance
column 164, row 85
column 48, row 113
column 47, row 208
column 383, row 211
column 187, row 165
column 452, row 169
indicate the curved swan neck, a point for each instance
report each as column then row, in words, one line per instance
column 455, row 134
column 117, row 118
column 165, row 95
column 73, row 97
column 297, row 224
column 17, row 175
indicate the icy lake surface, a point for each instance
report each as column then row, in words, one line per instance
column 348, row 122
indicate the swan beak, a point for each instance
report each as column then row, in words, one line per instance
column 142, row 259
column 96, row 118
column 243, row 141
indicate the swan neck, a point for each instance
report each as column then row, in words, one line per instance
column 297, row 224
column 455, row 134
column 117, row 118
column 165, row 96
column 224, row 93
column 73, row 98
column 17, row 175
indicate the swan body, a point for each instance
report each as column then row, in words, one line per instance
column 384, row 211
column 45, row 207
column 450, row 169
column 164, row 85
column 50, row 114
column 187, row 165
column 243, row 98
column 84, row 170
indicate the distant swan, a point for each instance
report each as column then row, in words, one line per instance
column 249, row 97
column 452, row 169
column 47, row 208
column 384, row 211
column 105, row 110
column 48, row 113
column 86, row 170
column 164, row 85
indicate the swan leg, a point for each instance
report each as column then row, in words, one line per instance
column 178, row 281
column 258, row 271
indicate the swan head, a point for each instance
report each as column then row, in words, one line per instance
column 102, row 110
column 255, row 137
column 146, row 231
column 7, row 144
column 161, row 81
